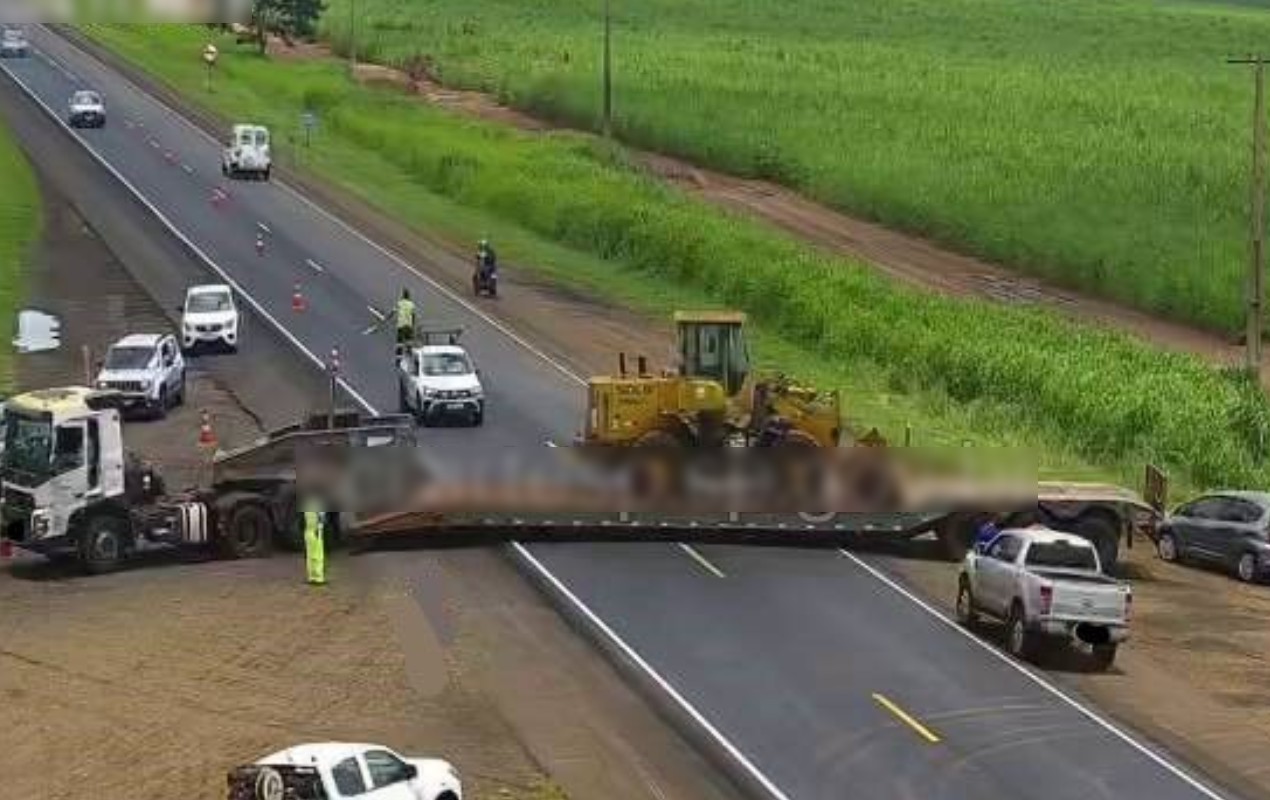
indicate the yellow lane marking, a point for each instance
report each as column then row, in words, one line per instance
column 906, row 718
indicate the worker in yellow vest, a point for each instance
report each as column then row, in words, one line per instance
column 405, row 318
column 314, row 544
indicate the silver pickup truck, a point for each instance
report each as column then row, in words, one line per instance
column 1045, row 585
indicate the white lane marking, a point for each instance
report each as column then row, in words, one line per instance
column 264, row 228
column 663, row 684
column 550, row 443
column 313, row 265
column 188, row 169
column 57, row 65
column 379, row 315
column 175, row 231
column 696, row 556
column 1080, row 707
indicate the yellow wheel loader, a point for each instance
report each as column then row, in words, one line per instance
column 713, row 399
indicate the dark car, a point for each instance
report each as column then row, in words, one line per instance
column 1227, row 528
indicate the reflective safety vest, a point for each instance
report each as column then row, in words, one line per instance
column 405, row 313
column 312, row 521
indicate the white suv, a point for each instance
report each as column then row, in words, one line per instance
column 148, row 370
column 248, row 153
column 436, row 382
column 209, row 316
column 13, row 43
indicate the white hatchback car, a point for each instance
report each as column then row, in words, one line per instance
column 210, row 317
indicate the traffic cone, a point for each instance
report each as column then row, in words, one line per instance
column 260, row 244
column 298, row 303
column 169, row 156
column 206, row 436
column 218, row 197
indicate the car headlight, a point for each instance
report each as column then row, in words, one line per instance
column 427, row 392
column 102, row 385
column 145, row 386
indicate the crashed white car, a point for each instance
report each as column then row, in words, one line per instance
column 87, row 110
column 439, row 381
column 147, row 370
column 337, row 770
column 248, row 153
column 209, row 317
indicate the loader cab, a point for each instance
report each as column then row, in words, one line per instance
column 712, row 346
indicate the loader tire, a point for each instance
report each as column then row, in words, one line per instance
column 248, row 531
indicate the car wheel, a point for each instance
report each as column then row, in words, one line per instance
column 1166, row 547
column 1019, row 640
column 1104, row 655
column 180, row 392
column 1246, row 567
column 268, row 171
column 967, row 616
column 161, row 404
column 403, row 405
column 478, row 418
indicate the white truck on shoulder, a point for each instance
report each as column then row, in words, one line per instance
column 1045, row 584
column 439, row 381
column 337, row 770
column 147, row 369
column 248, row 153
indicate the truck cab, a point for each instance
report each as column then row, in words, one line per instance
column 63, row 455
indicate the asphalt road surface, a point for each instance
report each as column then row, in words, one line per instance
column 810, row 672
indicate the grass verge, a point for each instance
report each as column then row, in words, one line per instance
column 576, row 208
column 1100, row 145
column 19, row 227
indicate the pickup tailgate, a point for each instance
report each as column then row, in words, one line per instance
column 1088, row 598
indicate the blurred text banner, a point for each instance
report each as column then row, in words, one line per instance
column 67, row 11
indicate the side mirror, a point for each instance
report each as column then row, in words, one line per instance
column 412, row 772
column 981, row 548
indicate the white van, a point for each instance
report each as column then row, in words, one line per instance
column 247, row 153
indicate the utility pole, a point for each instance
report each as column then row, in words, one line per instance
column 1256, row 268
column 608, row 68
column 352, row 38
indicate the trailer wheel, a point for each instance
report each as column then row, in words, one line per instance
column 248, row 531
column 1100, row 529
column 103, row 544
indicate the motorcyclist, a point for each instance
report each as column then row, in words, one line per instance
column 486, row 260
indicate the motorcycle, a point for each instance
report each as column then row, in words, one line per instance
column 485, row 279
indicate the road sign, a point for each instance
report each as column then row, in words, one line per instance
column 309, row 121
column 210, row 54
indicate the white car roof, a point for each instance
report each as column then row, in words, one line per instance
column 140, row 340
column 1039, row 533
column 209, row 288
column 85, row 94
column 318, row 753
column 440, row 350
column 247, row 126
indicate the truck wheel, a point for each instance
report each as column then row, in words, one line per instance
column 967, row 616
column 103, row 544
column 248, row 531
column 1019, row 640
column 1103, row 657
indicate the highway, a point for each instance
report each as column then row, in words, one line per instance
column 810, row 673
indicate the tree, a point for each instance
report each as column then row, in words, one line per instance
column 286, row 18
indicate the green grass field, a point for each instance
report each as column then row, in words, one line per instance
column 573, row 207
column 19, row 226
column 1103, row 144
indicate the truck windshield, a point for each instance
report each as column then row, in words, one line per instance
column 128, row 357
column 28, row 448
column 445, row 364
column 1061, row 555
column 203, row 302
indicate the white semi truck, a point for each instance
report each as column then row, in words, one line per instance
column 70, row 489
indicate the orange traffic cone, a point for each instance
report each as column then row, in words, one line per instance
column 6, row 549
column 298, row 303
column 260, row 244
column 206, row 436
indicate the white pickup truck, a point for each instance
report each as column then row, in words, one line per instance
column 1045, row 585
column 247, row 153
column 336, row 770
